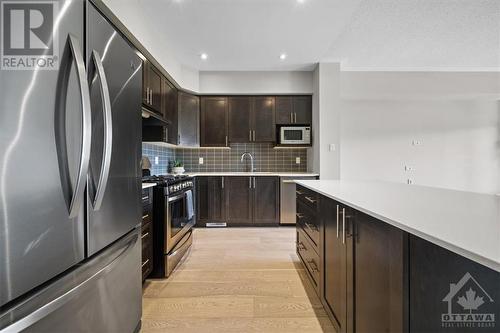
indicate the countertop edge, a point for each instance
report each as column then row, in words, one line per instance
column 490, row 263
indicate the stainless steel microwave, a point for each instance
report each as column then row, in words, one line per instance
column 295, row 135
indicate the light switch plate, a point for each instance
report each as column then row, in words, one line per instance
column 297, row 160
column 200, row 160
column 332, row 147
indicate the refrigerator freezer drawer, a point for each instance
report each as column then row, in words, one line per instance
column 102, row 295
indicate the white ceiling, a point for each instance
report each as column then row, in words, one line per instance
column 362, row 34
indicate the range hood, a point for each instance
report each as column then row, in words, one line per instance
column 150, row 118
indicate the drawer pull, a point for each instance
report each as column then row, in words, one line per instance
column 145, row 235
column 299, row 192
column 299, row 216
column 311, row 200
column 301, row 246
column 145, row 198
column 145, row 263
column 145, row 216
column 313, row 265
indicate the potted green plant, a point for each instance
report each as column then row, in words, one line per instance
column 178, row 167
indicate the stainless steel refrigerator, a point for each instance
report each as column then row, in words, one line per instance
column 70, row 177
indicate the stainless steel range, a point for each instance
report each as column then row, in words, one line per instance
column 173, row 219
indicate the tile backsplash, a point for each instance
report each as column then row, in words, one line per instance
column 266, row 159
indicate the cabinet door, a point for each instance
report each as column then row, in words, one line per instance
column 145, row 82
column 379, row 275
column 239, row 200
column 334, row 264
column 264, row 123
column 169, row 109
column 443, row 284
column 214, row 122
column 189, row 120
column 266, row 200
column 239, row 119
column 302, row 109
column 155, row 85
column 284, row 109
column 210, row 200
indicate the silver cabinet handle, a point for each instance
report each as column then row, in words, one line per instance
column 254, row 135
column 253, row 182
column 145, row 235
column 249, row 135
column 311, row 200
column 147, row 95
column 313, row 265
column 145, row 263
column 83, row 168
column 291, row 117
column 145, row 198
column 249, row 182
column 343, row 225
column 338, row 222
column 299, row 192
column 145, row 216
column 226, row 140
column 295, row 117
column 108, row 133
column 150, row 96
column 222, row 182
column 299, row 215
column 301, row 246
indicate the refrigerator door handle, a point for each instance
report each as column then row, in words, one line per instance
column 78, row 194
column 108, row 132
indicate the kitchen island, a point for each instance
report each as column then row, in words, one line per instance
column 392, row 257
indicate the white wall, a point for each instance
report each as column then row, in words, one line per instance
column 457, row 124
column 326, row 121
column 259, row 82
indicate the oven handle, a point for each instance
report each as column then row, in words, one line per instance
column 177, row 197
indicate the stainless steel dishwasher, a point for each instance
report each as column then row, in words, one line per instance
column 287, row 195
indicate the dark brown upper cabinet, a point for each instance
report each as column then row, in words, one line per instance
column 169, row 110
column 293, row 110
column 240, row 115
column 214, row 122
column 263, row 119
column 266, row 200
column 189, row 119
column 152, row 84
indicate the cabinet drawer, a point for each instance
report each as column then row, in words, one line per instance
column 309, row 222
column 147, row 249
column 308, row 197
column 147, row 196
column 309, row 257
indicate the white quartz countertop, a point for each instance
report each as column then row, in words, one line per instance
column 463, row 222
column 275, row 174
column 148, row 185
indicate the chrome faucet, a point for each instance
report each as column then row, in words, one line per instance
column 252, row 169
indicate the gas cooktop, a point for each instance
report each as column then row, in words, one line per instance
column 165, row 179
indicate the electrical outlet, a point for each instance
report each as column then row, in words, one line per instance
column 200, row 160
column 297, row 160
column 408, row 168
column 332, row 147
column 416, row 143
column 409, row 181
column 157, row 160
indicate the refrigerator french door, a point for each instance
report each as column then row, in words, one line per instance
column 70, row 183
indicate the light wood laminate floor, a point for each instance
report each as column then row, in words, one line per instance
column 236, row 280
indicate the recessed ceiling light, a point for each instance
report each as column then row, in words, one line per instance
column 203, row 56
column 301, row 1
column 283, row 56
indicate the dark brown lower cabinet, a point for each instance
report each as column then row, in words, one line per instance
column 210, row 200
column 147, row 232
column 239, row 202
column 266, row 200
column 364, row 279
column 450, row 293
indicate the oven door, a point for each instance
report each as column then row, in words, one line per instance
column 180, row 217
column 292, row 135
